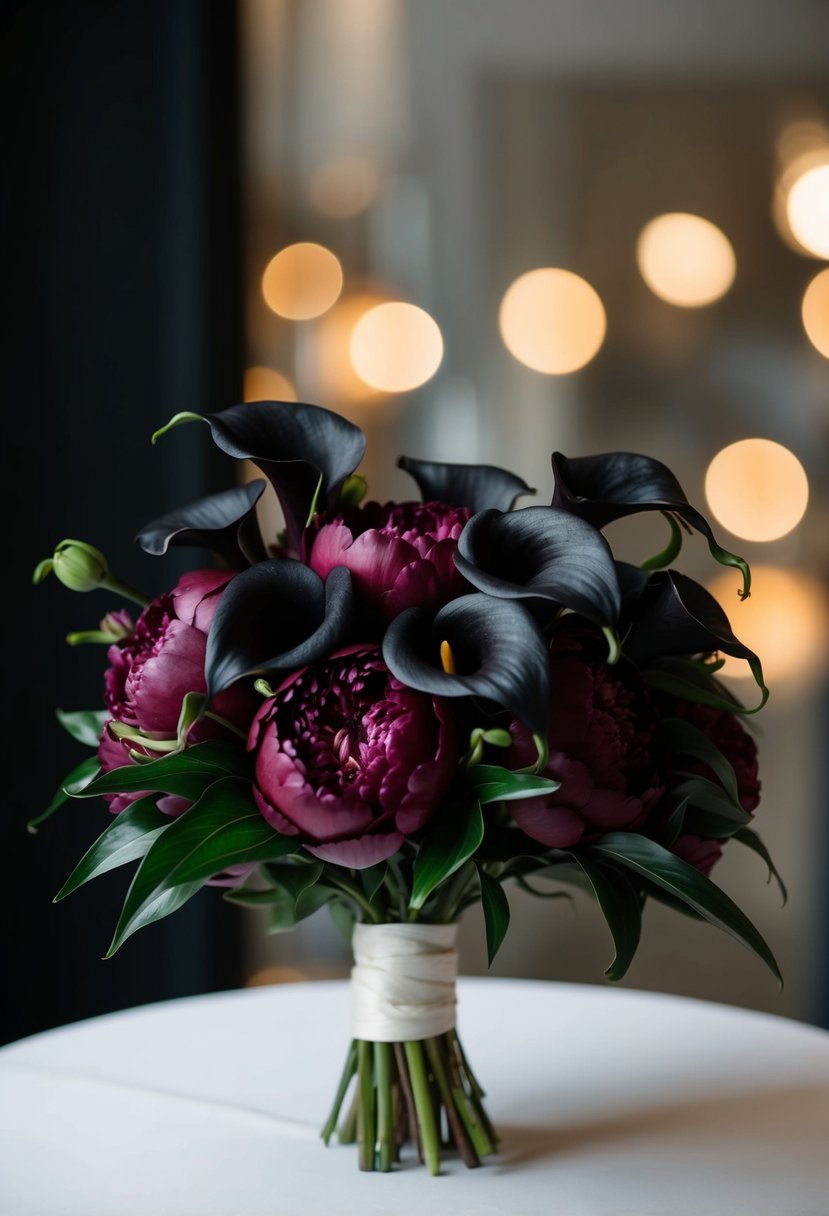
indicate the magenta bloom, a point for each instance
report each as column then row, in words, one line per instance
column 400, row 554
column 153, row 668
column 350, row 760
column 602, row 750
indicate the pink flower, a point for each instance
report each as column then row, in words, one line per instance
column 602, row 750
column 399, row 554
column 350, row 760
column 155, row 666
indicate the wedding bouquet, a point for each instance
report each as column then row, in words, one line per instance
column 398, row 710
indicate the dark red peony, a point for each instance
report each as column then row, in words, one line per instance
column 350, row 760
column 602, row 741
column 399, row 554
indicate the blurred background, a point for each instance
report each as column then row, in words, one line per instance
column 483, row 230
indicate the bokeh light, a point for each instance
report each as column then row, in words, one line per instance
column 267, row 384
column 807, row 210
column 344, row 186
column 302, row 281
column 785, row 621
column 552, row 321
column 396, row 347
column 335, row 379
column 685, row 259
column 757, row 489
column 815, row 312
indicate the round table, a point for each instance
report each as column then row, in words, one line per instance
column 607, row 1101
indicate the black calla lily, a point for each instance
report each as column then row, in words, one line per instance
column 305, row 451
column 676, row 616
column 542, row 553
column 225, row 523
column 476, row 486
column 494, row 649
column 610, row 486
column 273, row 618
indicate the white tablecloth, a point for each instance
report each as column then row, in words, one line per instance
column 608, row 1102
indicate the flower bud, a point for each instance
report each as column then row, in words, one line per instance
column 79, row 566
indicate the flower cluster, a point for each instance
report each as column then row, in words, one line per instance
column 447, row 693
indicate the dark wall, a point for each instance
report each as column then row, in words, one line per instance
column 121, row 288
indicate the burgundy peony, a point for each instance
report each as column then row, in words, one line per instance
column 349, row 759
column 399, row 554
column 602, row 741
column 154, row 667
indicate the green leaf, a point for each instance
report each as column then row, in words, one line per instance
column 491, row 783
column 344, row 918
column 186, row 774
column 72, row 787
column 224, row 828
column 650, row 860
column 684, row 739
column 371, row 879
column 453, row 839
column 692, row 681
column 708, row 809
column 286, row 915
column 496, row 912
column 85, row 725
column 751, row 840
column 621, row 906
column 161, row 904
column 127, row 838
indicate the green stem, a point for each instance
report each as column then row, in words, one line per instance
column 671, row 550
column 354, row 892
column 468, row 1109
column 385, row 1105
column 423, row 1105
column 436, row 1051
column 366, row 1131
column 208, row 713
column 113, row 583
column 408, row 1098
column 348, row 1128
column 345, row 1081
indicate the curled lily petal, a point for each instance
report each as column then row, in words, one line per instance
column 675, row 615
column 273, row 618
column 542, row 553
column 476, row 486
column 609, row 486
column 497, row 652
column 306, row 452
column 224, row 522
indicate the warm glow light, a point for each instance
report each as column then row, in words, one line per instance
column 344, row 186
column 815, row 312
column 334, row 376
column 552, row 321
column 757, row 489
column 685, row 259
column 785, row 621
column 267, row 384
column 302, row 281
column 807, row 210
column 396, row 347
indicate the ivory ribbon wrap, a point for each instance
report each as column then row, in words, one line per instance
column 403, row 982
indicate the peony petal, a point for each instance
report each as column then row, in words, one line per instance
column 558, row 827
column 361, row 853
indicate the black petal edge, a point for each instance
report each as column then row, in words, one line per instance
column 476, row 486
column 274, row 618
column 224, row 523
column 305, row 451
column 609, row 486
column 498, row 649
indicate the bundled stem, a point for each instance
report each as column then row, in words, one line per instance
column 423, row 1092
